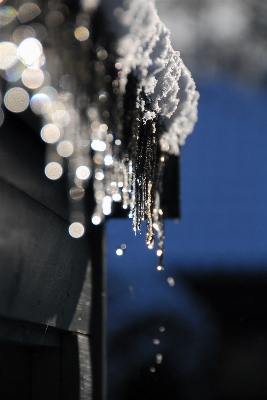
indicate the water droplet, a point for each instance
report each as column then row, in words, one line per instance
column 159, row 358
column 119, row 252
column 160, row 268
column 123, row 246
column 156, row 341
column 162, row 328
column 171, row 281
column 152, row 369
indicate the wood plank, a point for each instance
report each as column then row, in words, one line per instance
column 85, row 370
column 28, row 334
column 70, row 375
column 42, row 269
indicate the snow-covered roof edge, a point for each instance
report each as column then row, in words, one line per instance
column 144, row 48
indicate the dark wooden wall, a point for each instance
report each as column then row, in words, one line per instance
column 45, row 279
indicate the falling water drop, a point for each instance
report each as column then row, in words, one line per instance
column 159, row 358
column 119, row 252
column 171, row 281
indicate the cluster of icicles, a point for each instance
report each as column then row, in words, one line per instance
column 108, row 129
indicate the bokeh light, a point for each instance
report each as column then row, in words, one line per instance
column 50, row 92
column 13, row 73
column 81, row 33
column 61, row 118
column 76, row 230
column 96, row 220
column 106, row 205
column 108, row 159
column 53, row 171
column 32, row 78
column 39, row 103
column 83, row 172
column 40, row 31
column 99, row 174
column 23, row 32
column 16, row 100
column 27, row 12
column 76, row 193
column 7, row 14
column 50, row 133
column 54, row 18
column 116, row 197
column 29, row 51
column 65, row 148
column 98, row 145
column 8, row 54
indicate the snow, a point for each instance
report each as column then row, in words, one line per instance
column 144, row 48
